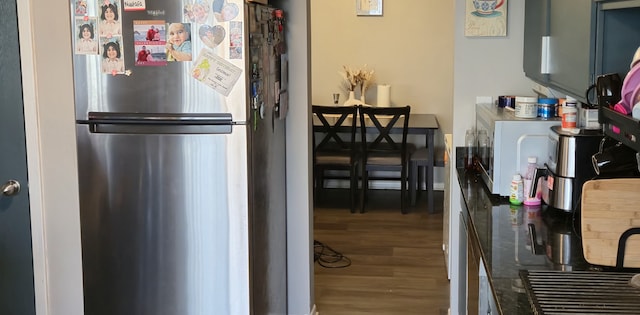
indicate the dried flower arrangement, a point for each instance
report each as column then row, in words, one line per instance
column 354, row 77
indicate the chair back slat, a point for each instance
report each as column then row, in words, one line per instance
column 384, row 119
column 334, row 121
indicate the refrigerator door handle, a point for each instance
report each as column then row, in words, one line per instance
column 159, row 123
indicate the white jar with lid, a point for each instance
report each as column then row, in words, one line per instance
column 526, row 107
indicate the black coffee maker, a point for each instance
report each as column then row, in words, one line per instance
column 569, row 166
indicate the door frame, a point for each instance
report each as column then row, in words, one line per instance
column 32, row 134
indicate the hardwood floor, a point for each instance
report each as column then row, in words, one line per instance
column 397, row 262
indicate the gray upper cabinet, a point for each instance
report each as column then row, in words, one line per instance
column 536, row 29
column 570, row 46
column 617, row 34
column 558, row 44
column 567, row 43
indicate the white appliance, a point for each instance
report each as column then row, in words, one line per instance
column 511, row 141
column 181, row 155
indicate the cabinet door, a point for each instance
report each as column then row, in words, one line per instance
column 617, row 36
column 463, row 264
column 570, row 46
column 536, row 26
column 473, row 273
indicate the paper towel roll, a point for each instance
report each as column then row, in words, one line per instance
column 383, row 95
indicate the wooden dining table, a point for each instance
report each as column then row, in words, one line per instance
column 419, row 124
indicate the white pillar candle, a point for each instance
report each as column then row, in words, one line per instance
column 383, row 95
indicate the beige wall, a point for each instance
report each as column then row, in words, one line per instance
column 410, row 47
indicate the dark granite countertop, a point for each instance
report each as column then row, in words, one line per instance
column 504, row 241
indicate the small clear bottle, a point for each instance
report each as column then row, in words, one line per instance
column 532, row 165
column 469, row 145
column 483, row 148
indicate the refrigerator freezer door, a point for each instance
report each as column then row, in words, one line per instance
column 164, row 223
column 161, row 88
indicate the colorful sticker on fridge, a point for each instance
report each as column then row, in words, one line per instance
column 214, row 71
column 112, row 58
column 196, row 12
column 80, row 7
column 178, row 42
column 134, row 5
column 235, row 40
column 224, row 11
column 110, row 22
column 211, row 36
column 149, row 42
column 85, row 36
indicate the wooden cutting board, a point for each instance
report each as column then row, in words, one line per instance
column 609, row 208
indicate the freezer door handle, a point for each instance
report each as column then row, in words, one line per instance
column 159, row 123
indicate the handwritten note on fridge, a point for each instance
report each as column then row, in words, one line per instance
column 216, row 72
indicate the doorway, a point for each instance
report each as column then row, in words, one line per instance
column 16, row 270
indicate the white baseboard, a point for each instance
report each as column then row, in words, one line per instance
column 314, row 311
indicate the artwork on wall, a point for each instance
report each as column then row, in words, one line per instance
column 369, row 7
column 486, row 18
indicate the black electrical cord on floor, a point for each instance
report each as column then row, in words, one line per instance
column 329, row 258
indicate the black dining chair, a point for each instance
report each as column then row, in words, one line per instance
column 334, row 146
column 381, row 152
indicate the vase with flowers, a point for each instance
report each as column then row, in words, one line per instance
column 356, row 78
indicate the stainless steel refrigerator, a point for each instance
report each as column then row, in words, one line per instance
column 181, row 159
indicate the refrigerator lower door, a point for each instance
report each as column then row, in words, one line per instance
column 164, row 222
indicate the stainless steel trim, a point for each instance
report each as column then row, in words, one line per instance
column 160, row 123
column 485, row 176
column 181, row 118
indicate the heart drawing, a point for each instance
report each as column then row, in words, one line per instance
column 224, row 11
column 211, row 36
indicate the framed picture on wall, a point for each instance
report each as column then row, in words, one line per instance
column 486, row 18
column 369, row 7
